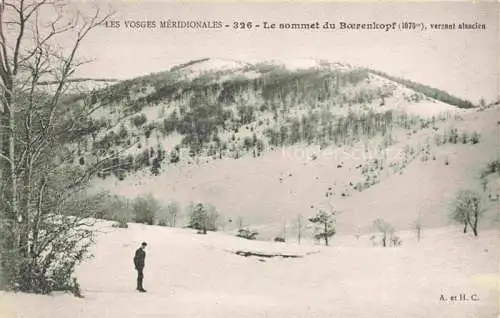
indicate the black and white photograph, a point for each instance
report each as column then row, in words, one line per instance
column 224, row 159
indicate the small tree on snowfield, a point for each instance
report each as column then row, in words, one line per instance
column 300, row 228
column 467, row 209
column 156, row 166
column 385, row 229
column 173, row 210
column 474, row 138
column 203, row 217
column 418, row 229
column 482, row 102
column 325, row 223
column 199, row 218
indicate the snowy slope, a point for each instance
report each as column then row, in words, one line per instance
column 282, row 184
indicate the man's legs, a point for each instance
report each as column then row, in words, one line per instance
column 140, row 277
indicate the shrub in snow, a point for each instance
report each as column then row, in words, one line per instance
column 247, row 233
column 120, row 224
column 144, row 209
column 388, row 235
column 474, row 138
column 139, row 120
column 115, row 208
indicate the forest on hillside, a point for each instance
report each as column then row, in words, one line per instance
column 278, row 108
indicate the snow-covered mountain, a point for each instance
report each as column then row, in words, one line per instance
column 271, row 140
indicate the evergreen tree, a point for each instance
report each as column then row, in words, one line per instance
column 325, row 223
column 199, row 218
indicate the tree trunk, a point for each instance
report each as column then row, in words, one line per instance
column 284, row 229
column 11, row 135
column 36, row 220
column 26, row 198
column 299, row 234
column 12, row 236
column 465, row 227
column 475, row 223
column 326, row 235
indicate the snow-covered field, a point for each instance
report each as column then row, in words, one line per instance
column 191, row 275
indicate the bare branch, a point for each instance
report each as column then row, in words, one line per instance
column 5, row 158
column 4, row 57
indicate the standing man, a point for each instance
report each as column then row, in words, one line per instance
column 139, row 260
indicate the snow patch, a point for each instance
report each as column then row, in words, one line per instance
column 212, row 65
column 294, row 64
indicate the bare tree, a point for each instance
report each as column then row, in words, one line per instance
column 482, row 102
column 40, row 222
column 284, row 226
column 484, row 183
column 173, row 211
column 300, row 228
column 467, row 209
column 418, row 229
column 240, row 222
column 385, row 229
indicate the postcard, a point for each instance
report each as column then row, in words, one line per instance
column 249, row 159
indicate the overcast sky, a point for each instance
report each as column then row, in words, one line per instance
column 464, row 63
